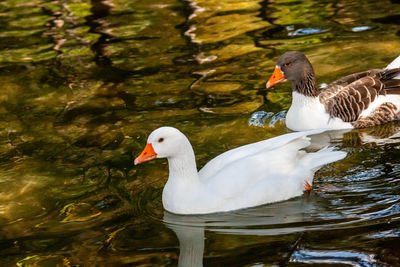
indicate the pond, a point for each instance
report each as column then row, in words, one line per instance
column 83, row 83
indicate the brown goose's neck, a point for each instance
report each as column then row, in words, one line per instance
column 306, row 84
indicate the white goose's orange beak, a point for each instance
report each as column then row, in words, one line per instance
column 146, row 155
column 276, row 77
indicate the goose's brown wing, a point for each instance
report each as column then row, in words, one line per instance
column 334, row 88
column 348, row 101
column 354, row 77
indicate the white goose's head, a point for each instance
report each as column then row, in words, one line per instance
column 164, row 142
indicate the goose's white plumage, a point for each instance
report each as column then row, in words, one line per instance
column 394, row 64
column 307, row 112
column 264, row 172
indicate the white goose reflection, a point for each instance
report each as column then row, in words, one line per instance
column 190, row 229
column 294, row 216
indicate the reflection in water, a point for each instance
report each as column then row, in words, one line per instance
column 274, row 219
column 380, row 135
column 83, row 83
column 290, row 215
column 294, row 217
column 191, row 239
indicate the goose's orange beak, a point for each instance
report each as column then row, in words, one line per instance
column 276, row 77
column 146, row 155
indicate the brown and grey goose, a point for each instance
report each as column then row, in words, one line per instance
column 358, row 100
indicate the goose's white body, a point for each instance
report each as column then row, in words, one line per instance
column 268, row 171
column 307, row 112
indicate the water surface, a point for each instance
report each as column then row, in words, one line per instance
column 84, row 83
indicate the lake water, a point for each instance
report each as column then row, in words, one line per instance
column 84, row 83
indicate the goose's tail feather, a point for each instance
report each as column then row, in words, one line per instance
column 324, row 156
column 394, row 64
column 391, row 80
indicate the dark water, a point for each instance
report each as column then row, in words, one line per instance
column 84, row 83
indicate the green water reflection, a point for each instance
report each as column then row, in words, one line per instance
column 84, row 83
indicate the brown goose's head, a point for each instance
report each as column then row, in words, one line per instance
column 292, row 66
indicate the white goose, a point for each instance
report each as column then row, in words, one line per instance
column 358, row 100
column 264, row 172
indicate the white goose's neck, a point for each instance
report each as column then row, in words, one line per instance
column 183, row 167
column 183, row 182
column 301, row 100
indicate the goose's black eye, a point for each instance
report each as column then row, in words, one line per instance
column 286, row 64
column 161, row 140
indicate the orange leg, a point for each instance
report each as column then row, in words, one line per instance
column 307, row 187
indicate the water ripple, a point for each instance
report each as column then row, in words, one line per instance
column 360, row 28
column 330, row 257
column 306, row 31
column 261, row 118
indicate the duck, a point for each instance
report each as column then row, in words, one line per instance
column 359, row 100
column 264, row 172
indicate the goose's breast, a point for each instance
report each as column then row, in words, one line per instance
column 308, row 113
